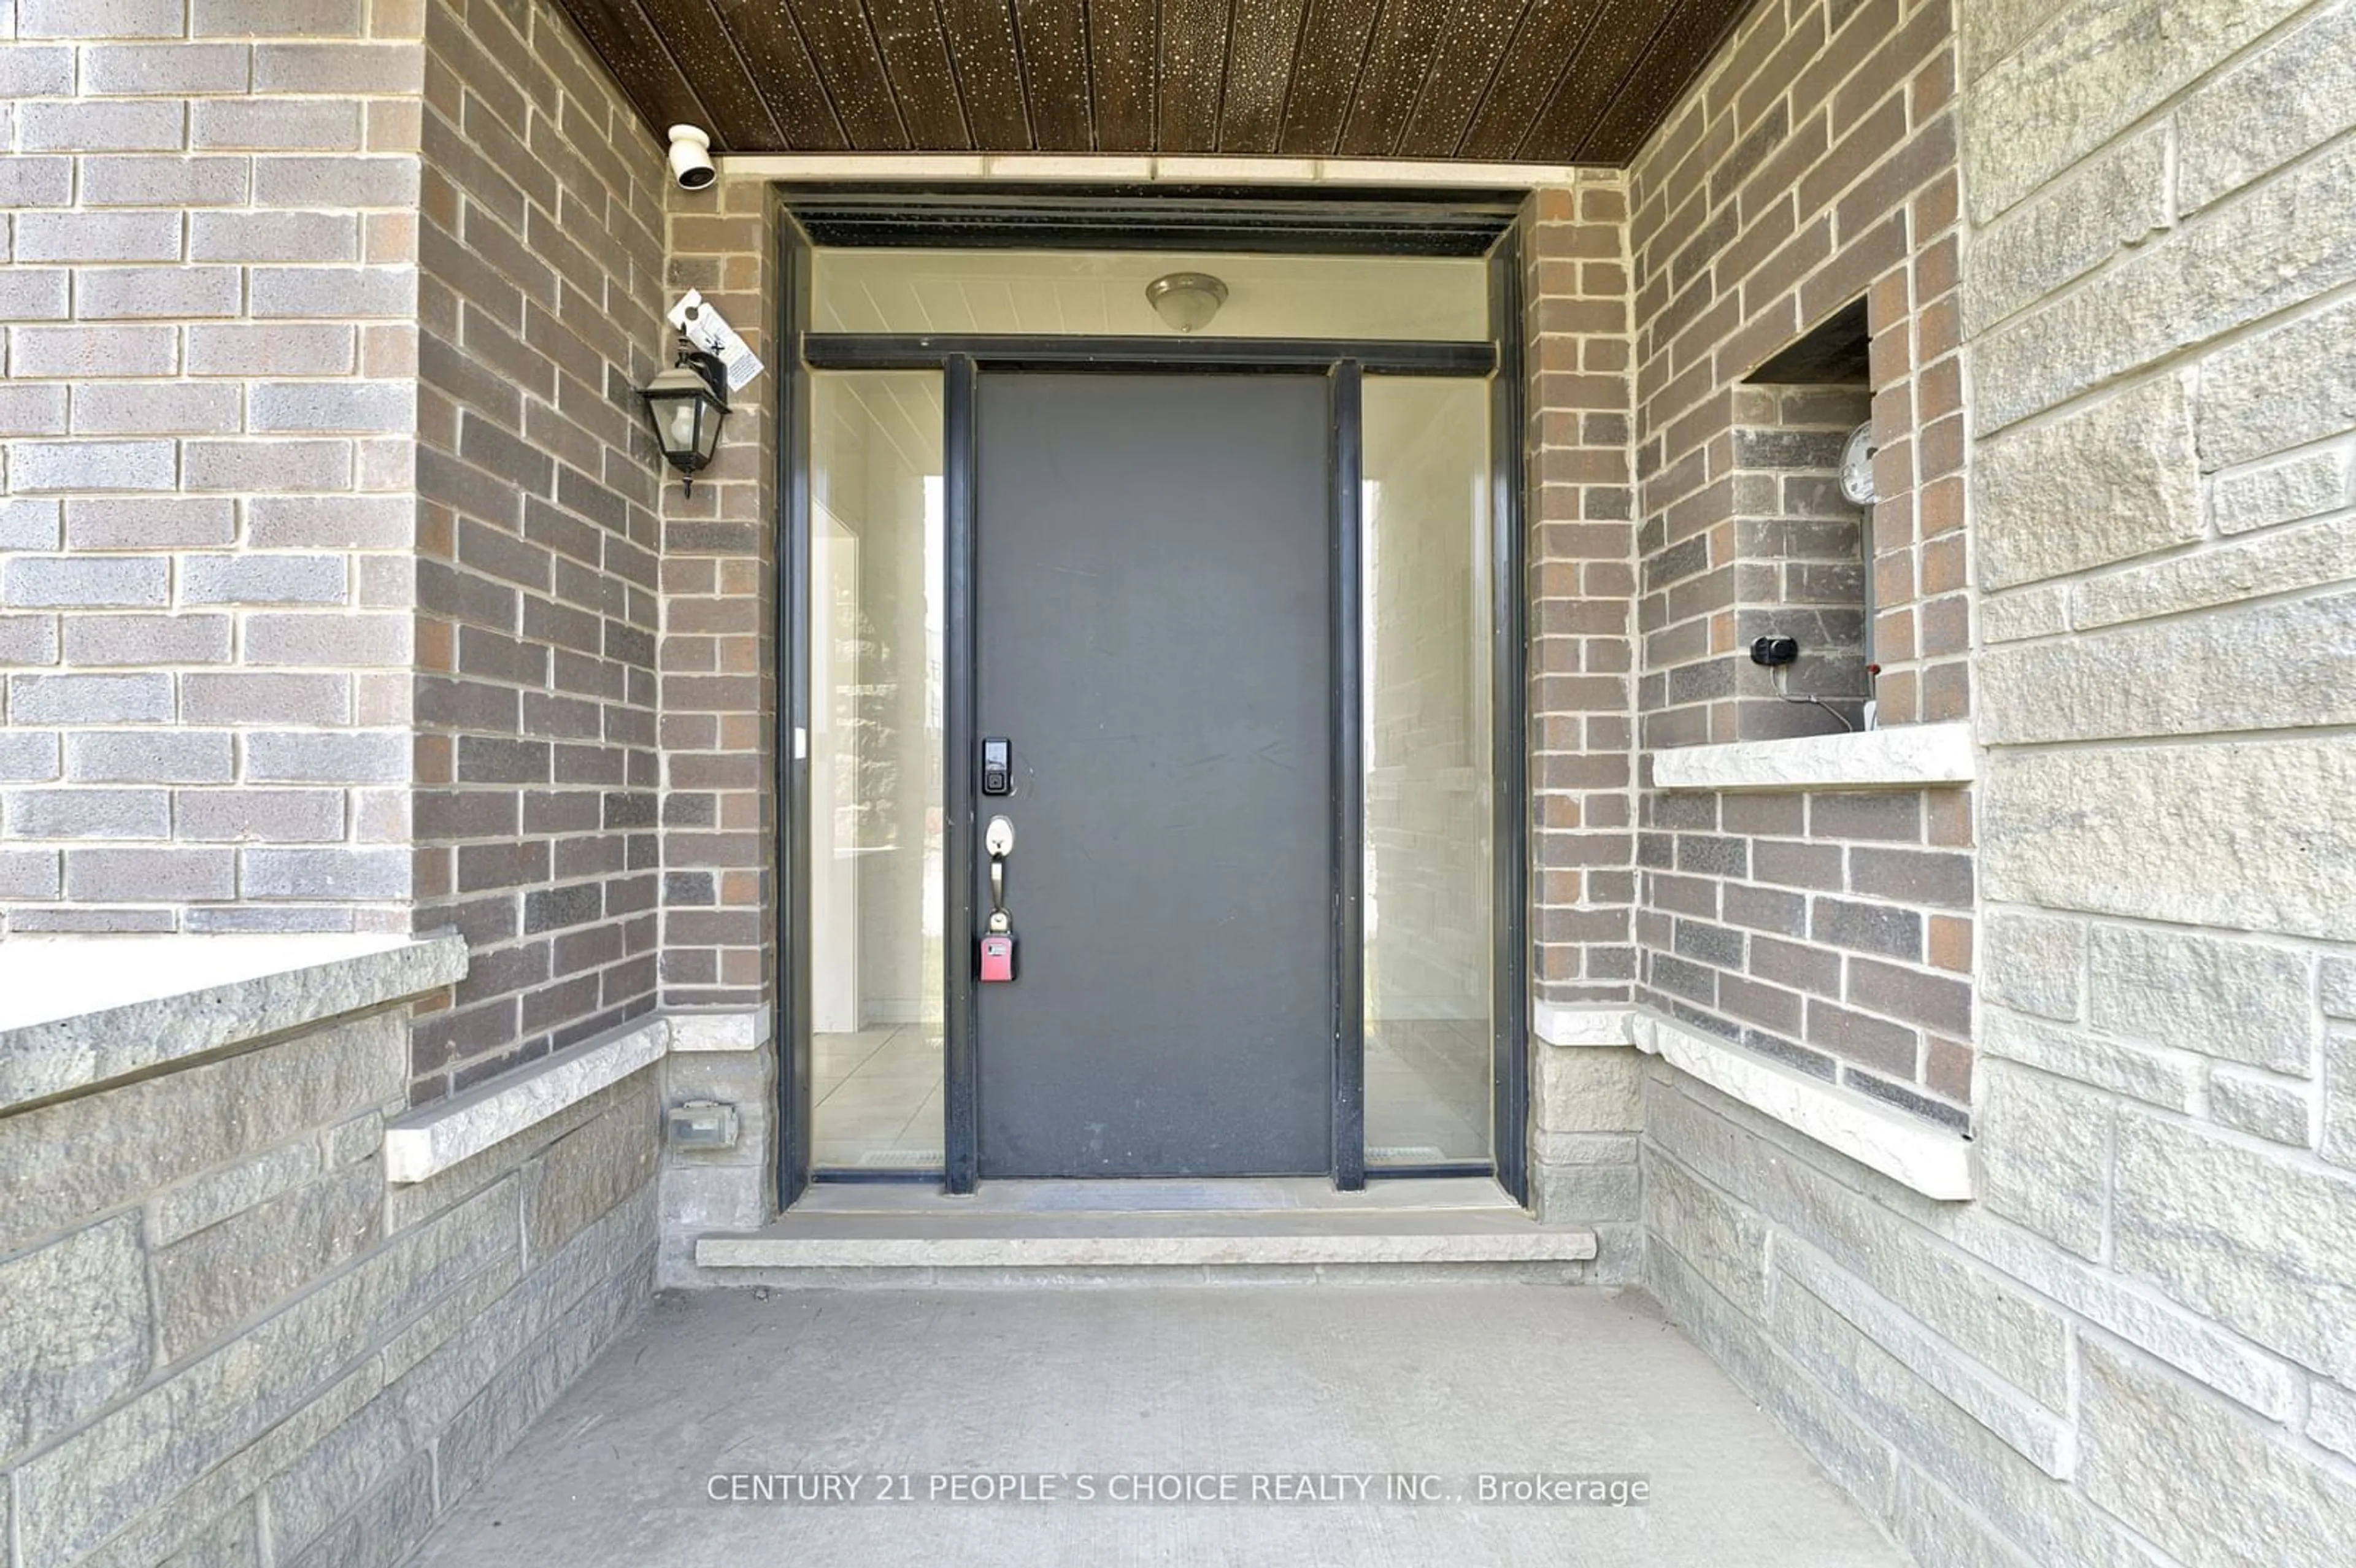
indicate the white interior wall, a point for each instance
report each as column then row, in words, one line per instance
column 875, row 743
column 1428, row 888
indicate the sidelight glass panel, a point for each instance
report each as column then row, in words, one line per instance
column 1426, row 618
column 1102, row 292
column 875, row 609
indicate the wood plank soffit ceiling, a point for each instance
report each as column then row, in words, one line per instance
column 1555, row 81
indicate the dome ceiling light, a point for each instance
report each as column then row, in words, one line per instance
column 1187, row 301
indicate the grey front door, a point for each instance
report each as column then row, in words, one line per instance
column 1152, row 587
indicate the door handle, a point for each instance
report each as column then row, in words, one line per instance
column 998, row 842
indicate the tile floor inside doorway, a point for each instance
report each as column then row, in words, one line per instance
column 878, row 1099
column 879, row 1095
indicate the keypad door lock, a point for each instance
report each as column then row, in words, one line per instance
column 997, row 765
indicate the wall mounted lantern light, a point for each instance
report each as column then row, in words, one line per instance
column 1187, row 301
column 687, row 404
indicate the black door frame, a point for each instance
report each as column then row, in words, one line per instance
column 960, row 359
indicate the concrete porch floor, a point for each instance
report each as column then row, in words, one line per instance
column 1449, row 1381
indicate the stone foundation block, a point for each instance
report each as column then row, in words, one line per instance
column 2118, row 200
column 590, row 1170
column 2279, row 1110
column 385, row 1528
column 2045, row 1152
column 2193, row 1475
column 2297, row 93
column 2092, row 71
column 2338, row 1142
column 1721, row 1242
column 2262, row 1242
column 701, row 1197
column 2274, row 247
column 1877, row 1234
column 1577, row 1194
column 76, row 1333
column 131, row 1140
column 2281, row 389
column 2265, row 667
column 1586, row 1089
column 2033, row 963
column 234, row 1272
column 2117, row 481
column 2252, row 835
column 112, row 1471
column 2034, row 1431
column 219, row 1195
column 2285, row 491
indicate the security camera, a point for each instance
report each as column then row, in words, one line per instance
column 690, row 159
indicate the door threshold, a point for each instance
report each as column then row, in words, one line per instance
column 1145, row 1195
column 1149, row 1232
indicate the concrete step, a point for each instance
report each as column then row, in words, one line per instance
column 1150, row 1232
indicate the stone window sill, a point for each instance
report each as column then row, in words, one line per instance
column 429, row 1141
column 79, row 1011
column 435, row 1138
column 1908, row 756
column 1911, row 1152
column 718, row 1029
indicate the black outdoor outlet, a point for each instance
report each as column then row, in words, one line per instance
column 1772, row 651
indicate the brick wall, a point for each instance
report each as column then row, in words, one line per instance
column 1582, row 564
column 330, row 527
column 210, row 301
column 1799, row 546
column 2131, row 1348
column 538, row 546
column 718, row 657
column 1813, row 166
column 1790, row 564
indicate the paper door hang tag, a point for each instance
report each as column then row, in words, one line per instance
column 705, row 328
